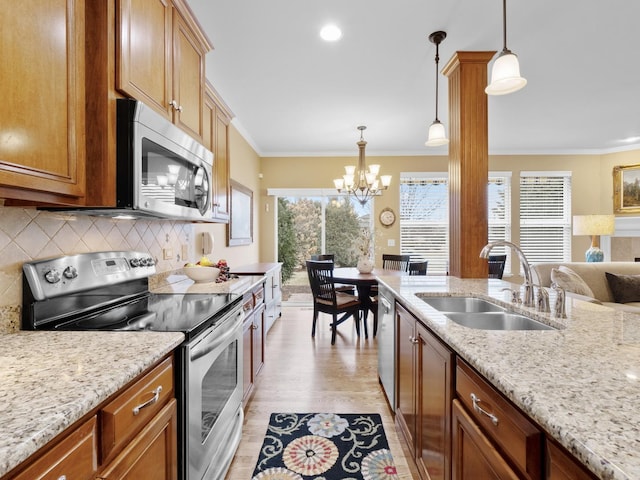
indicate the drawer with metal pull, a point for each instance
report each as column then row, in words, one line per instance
column 518, row 438
column 130, row 411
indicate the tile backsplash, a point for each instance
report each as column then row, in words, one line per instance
column 29, row 234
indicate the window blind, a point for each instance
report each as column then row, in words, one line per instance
column 545, row 216
column 424, row 216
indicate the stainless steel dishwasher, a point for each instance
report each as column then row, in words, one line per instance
column 387, row 344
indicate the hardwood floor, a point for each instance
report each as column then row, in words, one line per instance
column 304, row 374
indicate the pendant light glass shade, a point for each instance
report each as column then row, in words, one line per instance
column 505, row 75
column 437, row 135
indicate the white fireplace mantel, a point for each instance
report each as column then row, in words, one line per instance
column 625, row 227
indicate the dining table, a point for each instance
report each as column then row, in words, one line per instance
column 364, row 282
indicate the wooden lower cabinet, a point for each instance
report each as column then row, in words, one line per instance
column 518, row 440
column 152, row 454
column 562, row 466
column 253, row 340
column 132, row 436
column 425, row 390
column 474, row 456
column 75, row 457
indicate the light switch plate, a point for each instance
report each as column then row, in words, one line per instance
column 185, row 252
column 167, row 253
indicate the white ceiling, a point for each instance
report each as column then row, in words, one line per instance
column 294, row 94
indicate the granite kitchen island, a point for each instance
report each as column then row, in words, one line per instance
column 579, row 383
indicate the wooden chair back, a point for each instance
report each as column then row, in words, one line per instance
column 321, row 281
column 418, row 268
column 396, row 262
column 496, row 265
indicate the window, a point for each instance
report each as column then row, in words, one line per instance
column 545, row 216
column 316, row 221
column 424, row 216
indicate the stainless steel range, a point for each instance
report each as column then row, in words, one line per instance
column 110, row 291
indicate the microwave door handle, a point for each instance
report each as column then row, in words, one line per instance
column 211, row 341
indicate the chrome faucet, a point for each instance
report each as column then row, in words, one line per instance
column 529, row 296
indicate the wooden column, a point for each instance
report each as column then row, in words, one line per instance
column 468, row 162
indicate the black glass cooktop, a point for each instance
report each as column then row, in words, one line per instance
column 188, row 313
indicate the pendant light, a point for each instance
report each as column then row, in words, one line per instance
column 505, row 74
column 437, row 136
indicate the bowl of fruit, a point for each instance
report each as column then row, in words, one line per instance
column 203, row 271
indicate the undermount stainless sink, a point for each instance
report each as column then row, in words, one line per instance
column 462, row 304
column 482, row 314
column 497, row 321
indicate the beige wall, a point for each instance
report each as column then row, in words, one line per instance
column 245, row 165
column 591, row 185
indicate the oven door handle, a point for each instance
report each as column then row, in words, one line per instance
column 211, row 341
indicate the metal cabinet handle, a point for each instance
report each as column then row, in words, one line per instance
column 254, row 327
column 476, row 406
column 414, row 340
column 62, row 477
column 154, row 399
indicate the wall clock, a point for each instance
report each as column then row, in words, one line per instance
column 387, row 217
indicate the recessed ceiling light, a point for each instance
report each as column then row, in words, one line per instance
column 330, row 33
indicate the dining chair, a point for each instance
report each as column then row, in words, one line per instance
column 396, row 262
column 327, row 300
column 418, row 268
column 350, row 289
column 496, row 265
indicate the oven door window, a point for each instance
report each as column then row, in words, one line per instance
column 170, row 179
column 218, row 386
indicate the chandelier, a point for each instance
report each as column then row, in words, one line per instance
column 362, row 184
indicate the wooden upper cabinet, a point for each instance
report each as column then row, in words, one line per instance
column 161, row 59
column 42, row 154
column 188, row 76
column 217, row 117
column 144, row 29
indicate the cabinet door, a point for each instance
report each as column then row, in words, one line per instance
column 258, row 340
column 152, row 455
column 221, row 166
column 42, row 140
column 215, row 137
column 188, row 77
column 435, row 393
column 144, row 55
column 406, row 376
column 474, row 457
column 247, row 365
column 562, row 466
column 75, row 457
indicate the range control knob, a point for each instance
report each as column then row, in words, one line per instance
column 70, row 272
column 134, row 262
column 150, row 262
column 52, row 276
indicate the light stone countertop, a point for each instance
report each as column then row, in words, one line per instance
column 181, row 284
column 48, row 380
column 581, row 383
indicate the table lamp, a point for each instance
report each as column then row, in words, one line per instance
column 594, row 225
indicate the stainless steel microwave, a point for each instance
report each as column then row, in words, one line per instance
column 161, row 170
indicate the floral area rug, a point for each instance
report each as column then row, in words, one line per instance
column 325, row 446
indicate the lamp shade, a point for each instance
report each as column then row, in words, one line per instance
column 437, row 135
column 505, row 75
column 593, row 224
